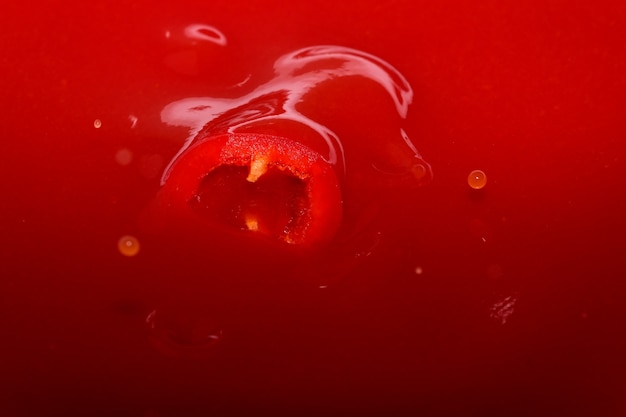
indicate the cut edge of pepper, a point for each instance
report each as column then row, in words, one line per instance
column 317, row 226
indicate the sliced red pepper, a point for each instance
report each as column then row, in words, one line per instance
column 268, row 185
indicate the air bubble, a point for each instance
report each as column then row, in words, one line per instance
column 97, row 123
column 128, row 245
column 123, row 157
column 477, row 179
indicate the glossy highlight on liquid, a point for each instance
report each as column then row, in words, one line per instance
column 295, row 109
column 477, row 179
column 436, row 301
column 297, row 75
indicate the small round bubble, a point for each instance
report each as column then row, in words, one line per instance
column 123, row 156
column 128, row 245
column 477, row 179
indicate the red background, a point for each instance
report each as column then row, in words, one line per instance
column 531, row 92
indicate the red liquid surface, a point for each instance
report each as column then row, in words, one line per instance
column 438, row 300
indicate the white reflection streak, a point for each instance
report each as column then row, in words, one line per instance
column 502, row 309
column 291, row 77
column 204, row 32
column 133, row 120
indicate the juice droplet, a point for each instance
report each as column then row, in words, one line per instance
column 128, row 245
column 477, row 179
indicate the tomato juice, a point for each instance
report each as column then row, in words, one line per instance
column 314, row 208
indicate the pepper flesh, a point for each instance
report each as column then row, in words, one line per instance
column 269, row 185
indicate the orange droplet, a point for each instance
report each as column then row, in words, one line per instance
column 477, row 179
column 128, row 245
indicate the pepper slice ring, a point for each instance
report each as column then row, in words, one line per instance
column 274, row 186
